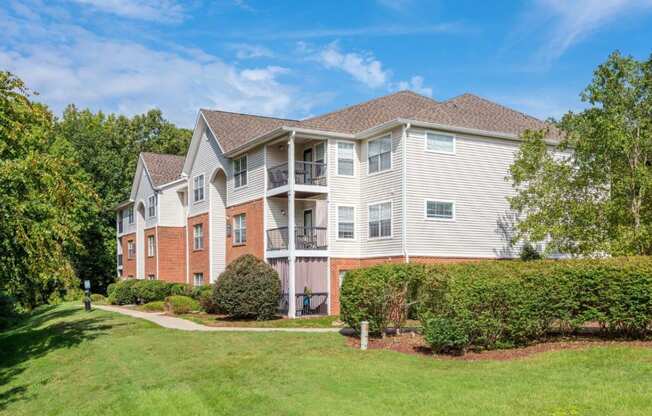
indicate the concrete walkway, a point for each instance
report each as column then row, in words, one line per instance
column 172, row 322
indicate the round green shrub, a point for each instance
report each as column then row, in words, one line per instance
column 156, row 306
column 445, row 335
column 147, row 291
column 123, row 293
column 178, row 304
column 97, row 298
column 248, row 288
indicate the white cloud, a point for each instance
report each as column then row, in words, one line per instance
column 415, row 84
column 364, row 68
column 67, row 64
column 567, row 23
column 154, row 10
column 248, row 51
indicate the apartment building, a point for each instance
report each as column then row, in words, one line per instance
column 401, row 178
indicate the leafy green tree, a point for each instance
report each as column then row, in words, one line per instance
column 592, row 192
column 46, row 201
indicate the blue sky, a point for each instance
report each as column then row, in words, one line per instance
column 299, row 58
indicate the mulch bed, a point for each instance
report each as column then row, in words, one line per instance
column 414, row 344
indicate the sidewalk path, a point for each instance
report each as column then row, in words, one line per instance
column 172, row 322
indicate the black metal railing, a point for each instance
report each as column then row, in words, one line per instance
column 305, row 173
column 306, row 304
column 306, row 238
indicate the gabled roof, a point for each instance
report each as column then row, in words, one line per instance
column 235, row 130
column 163, row 168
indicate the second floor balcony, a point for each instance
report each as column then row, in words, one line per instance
column 305, row 173
column 305, row 238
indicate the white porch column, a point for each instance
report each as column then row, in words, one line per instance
column 291, row 221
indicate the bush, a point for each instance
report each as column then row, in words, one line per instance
column 97, row 298
column 248, row 288
column 123, row 293
column 529, row 253
column 179, row 305
column 8, row 311
column 73, row 294
column 156, row 306
column 380, row 294
column 146, row 291
column 132, row 291
column 445, row 335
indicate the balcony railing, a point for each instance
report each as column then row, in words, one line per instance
column 305, row 173
column 306, row 304
column 305, row 238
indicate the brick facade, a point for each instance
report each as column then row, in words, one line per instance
column 340, row 264
column 172, row 254
column 150, row 261
column 128, row 264
column 254, row 217
column 198, row 260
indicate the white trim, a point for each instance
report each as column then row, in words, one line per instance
column 203, row 194
column 337, row 222
column 233, row 242
column 265, row 205
column 404, row 226
column 445, row 201
column 156, row 241
column 148, row 206
column 391, row 154
column 237, row 188
column 391, row 220
column 337, row 158
column 425, row 142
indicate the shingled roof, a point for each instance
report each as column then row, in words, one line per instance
column 163, row 168
column 467, row 111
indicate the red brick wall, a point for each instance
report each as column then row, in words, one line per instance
column 198, row 259
column 150, row 262
column 338, row 264
column 172, row 254
column 128, row 265
column 254, row 245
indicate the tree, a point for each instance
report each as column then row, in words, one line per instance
column 592, row 192
column 45, row 199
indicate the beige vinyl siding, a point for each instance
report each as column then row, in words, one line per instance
column 343, row 190
column 207, row 160
column 275, row 216
column 145, row 190
column 171, row 211
column 474, row 178
column 381, row 187
column 255, row 187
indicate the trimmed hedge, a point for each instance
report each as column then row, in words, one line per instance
column 248, row 288
column 98, row 298
column 133, row 291
column 156, row 306
column 178, row 304
column 497, row 304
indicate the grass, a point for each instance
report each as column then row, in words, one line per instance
column 65, row 361
column 312, row 322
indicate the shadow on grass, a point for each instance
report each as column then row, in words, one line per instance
column 34, row 338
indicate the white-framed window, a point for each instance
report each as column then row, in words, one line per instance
column 151, row 246
column 440, row 143
column 380, row 220
column 130, row 213
column 131, row 249
column 198, row 236
column 345, row 158
column 440, row 210
column 151, row 277
column 151, row 206
column 240, row 171
column 379, row 154
column 240, row 229
column 345, row 222
column 198, row 279
column 198, row 188
column 342, row 275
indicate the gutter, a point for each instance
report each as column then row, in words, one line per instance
column 404, row 137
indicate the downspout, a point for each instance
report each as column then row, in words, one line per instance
column 406, row 127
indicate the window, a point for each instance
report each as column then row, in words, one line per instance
column 342, row 275
column 198, row 188
column 380, row 154
column 441, row 143
column 198, row 236
column 345, row 155
column 131, row 215
column 121, row 219
column 131, row 249
column 151, row 206
column 198, row 279
column 151, row 277
column 380, row 220
column 151, row 246
column 440, row 210
column 240, row 229
column 345, row 222
column 240, row 171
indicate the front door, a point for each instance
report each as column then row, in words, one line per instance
column 307, row 166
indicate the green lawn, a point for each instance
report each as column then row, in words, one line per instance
column 312, row 322
column 66, row 361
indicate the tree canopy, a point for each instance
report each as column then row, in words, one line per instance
column 591, row 193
